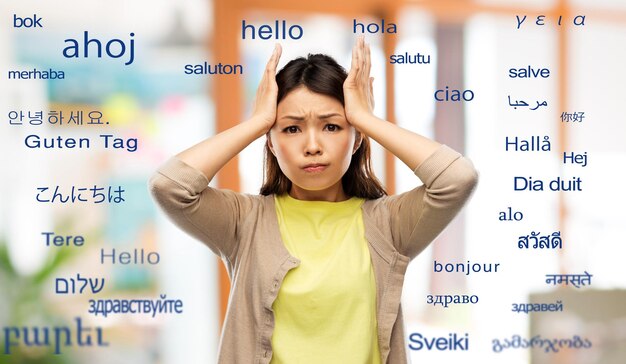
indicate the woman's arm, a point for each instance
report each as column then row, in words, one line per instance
column 180, row 186
column 409, row 147
column 210, row 155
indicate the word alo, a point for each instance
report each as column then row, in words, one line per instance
column 47, row 336
column 452, row 342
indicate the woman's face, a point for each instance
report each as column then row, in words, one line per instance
column 313, row 143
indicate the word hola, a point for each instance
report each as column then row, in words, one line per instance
column 454, row 95
column 73, row 49
column 579, row 20
column 452, row 342
column 33, row 22
column 266, row 32
column 373, row 28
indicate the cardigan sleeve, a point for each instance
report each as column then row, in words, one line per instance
column 418, row 216
column 210, row 215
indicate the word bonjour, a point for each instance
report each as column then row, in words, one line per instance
column 466, row 268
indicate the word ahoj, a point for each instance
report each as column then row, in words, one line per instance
column 115, row 48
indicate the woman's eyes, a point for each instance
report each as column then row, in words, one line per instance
column 294, row 129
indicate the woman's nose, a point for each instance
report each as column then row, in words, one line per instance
column 313, row 145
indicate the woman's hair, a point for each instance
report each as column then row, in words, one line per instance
column 321, row 74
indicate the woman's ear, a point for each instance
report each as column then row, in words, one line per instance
column 269, row 143
column 357, row 141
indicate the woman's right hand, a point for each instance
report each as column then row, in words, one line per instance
column 267, row 93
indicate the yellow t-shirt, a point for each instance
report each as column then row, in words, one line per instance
column 325, row 311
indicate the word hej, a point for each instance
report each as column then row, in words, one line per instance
column 578, row 20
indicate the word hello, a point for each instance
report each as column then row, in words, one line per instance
column 115, row 48
column 137, row 256
column 266, row 32
column 373, row 28
column 451, row 343
column 34, row 22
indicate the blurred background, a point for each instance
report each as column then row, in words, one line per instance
column 471, row 44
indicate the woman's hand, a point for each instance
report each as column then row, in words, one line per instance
column 266, row 94
column 358, row 88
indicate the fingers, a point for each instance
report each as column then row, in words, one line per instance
column 273, row 62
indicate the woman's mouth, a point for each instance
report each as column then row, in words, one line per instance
column 315, row 168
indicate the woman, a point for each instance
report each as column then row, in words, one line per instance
column 317, row 260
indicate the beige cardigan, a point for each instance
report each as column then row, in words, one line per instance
column 243, row 230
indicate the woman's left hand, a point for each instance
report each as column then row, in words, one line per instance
column 358, row 87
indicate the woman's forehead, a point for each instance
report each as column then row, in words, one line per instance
column 302, row 101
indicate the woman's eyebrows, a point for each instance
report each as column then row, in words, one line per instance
column 302, row 118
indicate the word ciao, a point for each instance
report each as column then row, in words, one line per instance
column 57, row 337
column 454, row 95
column 114, row 48
column 579, row 20
column 517, row 342
column 451, row 343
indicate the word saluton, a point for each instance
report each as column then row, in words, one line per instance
column 451, row 343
